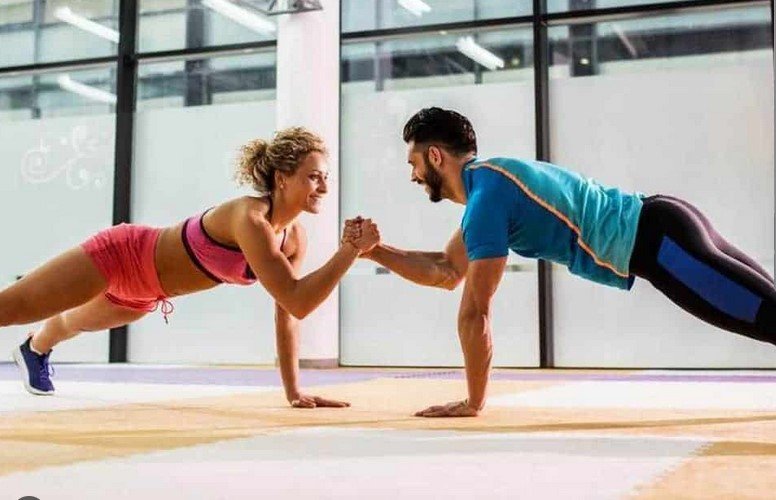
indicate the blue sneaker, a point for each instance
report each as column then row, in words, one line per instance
column 35, row 369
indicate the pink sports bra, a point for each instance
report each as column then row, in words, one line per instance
column 221, row 263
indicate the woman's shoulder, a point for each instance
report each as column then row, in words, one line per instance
column 253, row 201
column 253, row 208
column 238, row 215
column 296, row 229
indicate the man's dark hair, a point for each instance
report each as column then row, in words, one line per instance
column 443, row 126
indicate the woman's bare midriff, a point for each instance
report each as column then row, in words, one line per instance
column 177, row 273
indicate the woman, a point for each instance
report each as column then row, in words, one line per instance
column 121, row 274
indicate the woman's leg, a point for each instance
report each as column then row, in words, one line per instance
column 33, row 355
column 64, row 282
column 96, row 286
column 676, row 253
column 97, row 314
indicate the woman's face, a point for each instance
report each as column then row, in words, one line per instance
column 309, row 184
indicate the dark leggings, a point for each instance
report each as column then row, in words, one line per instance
column 680, row 253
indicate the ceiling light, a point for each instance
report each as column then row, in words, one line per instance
column 471, row 49
column 241, row 16
column 95, row 94
column 416, row 7
column 68, row 16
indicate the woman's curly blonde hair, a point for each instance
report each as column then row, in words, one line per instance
column 260, row 159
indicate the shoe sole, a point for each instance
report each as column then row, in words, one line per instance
column 18, row 358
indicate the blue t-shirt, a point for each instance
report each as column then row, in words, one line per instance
column 540, row 210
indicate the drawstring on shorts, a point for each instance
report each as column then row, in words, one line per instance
column 167, row 308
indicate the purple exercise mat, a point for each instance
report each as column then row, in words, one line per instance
column 270, row 377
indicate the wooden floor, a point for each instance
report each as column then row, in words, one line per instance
column 203, row 432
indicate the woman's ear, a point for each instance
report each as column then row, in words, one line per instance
column 280, row 179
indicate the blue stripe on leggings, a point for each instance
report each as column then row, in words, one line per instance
column 714, row 287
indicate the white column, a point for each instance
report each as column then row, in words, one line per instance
column 308, row 95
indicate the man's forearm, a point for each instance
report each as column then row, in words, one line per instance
column 423, row 268
column 475, row 337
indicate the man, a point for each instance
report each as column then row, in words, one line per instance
column 540, row 210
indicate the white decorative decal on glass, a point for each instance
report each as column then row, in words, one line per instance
column 78, row 159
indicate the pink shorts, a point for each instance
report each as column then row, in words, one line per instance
column 124, row 254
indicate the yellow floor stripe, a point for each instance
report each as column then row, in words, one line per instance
column 738, row 462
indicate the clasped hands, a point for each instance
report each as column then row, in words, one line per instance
column 361, row 233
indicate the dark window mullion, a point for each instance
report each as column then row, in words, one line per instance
column 126, row 79
column 542, row 121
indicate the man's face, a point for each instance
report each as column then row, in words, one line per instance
column 423, row 172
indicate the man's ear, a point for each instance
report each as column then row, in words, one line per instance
column 435, row 156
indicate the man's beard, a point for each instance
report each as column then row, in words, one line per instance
column 434, row 182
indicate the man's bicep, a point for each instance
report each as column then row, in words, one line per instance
column 455, row 254
column 482, row 280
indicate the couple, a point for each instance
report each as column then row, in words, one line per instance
column 536, row 209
